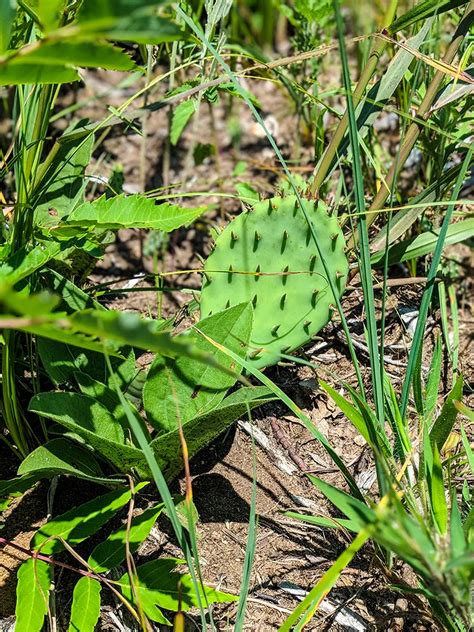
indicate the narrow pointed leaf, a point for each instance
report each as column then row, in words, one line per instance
column 444, row 423
column 85, row 609
column 437, row 492
column 32, row 595
column 160, row 586
column 133, row 211
column 112, row 552
column 425, row 243
column 81, row 522
column 358, row 512
column 181, row 116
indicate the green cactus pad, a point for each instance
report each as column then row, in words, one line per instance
column 268, row 256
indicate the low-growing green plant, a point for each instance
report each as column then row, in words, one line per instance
column 425, row 520
column 145, row 589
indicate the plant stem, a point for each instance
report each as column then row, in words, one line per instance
column 415, row 128
column 378, row 47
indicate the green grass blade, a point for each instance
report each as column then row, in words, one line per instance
column 365, row 265
column 425, row 243
column 426, row 299
column 310, row 604
column 444, row 423
column 251, row 544
column 437, row 493
column 422, row 11
column 434, row 379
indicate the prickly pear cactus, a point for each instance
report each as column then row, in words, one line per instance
column 268, row 256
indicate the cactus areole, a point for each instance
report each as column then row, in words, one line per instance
column 268, row 256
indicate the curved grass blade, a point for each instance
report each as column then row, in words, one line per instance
column 427, row 294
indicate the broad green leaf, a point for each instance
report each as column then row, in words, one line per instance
column 73, row 298
column 81, row 522
column 61, row 181
column 200, row 431
column 139, row 29
column 49, row 13
column 123, row 457
column 78, row 53
column 423, row 10
column 425, row 243
column 32, row 595
column 181, row 116
column 15, row 487
column 159, row 586
column 82, row 410
column 247, row 193
column 24, row 303
column 132, row 211
column 131, row 329
column 63, row 354
column 62, row 456
column 444, row 423
column 358, row 512
column 63, row 361
column 49, row 334
column 24, row 262
column 180, row 389
column 92, row 10
column 112, row 552
column 247, row 395
column 7, row 15
column 109, row 399
column 127, row 20
column 85, row 609
column 17, row 72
